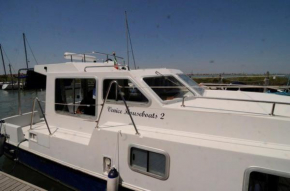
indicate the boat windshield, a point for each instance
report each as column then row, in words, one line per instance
column 190, row 82
column 168, row 87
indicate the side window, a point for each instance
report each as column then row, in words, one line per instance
column 259, row 181
column 152, row 163
column 167, row 87
column 75, row 96
column 129, row 91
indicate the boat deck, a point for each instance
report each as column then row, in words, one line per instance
column 8, row 182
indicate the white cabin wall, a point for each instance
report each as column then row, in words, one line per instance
column 199, row 164
column 85, row 157
column 249, row 127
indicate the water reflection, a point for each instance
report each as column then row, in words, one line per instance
column 9, row 101
column 9, row 107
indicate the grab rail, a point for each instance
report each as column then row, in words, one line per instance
column 210, row 86
column 89, row 53
column 245, row 100
column 32, row 114
column 95, row 52
column 104, row 102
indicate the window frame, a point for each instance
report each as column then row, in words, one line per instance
column 168, row 101
column 120, row 102
column 84, row 116
column 150, row 149
column 249, row 170
column 188, row 86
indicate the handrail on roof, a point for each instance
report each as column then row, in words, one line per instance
column 245, row 100
column 93, row 52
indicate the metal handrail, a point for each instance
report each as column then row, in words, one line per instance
column 94, row 52
column 245, row 100
column 32, row 114
column 105, row 100
column 242, row 86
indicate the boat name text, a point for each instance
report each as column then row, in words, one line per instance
column 137, row 114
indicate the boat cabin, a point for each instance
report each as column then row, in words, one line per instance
column 157, row 127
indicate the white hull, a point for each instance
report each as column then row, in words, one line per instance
column 9, row 86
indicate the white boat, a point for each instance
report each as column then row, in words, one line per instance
column 174, row 135
column 10, row 86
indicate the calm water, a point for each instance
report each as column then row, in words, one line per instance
column 9, row 107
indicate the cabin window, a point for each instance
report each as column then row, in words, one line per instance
column 75, row 96
column 190, row 82
column 128, row 89
column 259, row 181
column 167, row 87
column 151, row 162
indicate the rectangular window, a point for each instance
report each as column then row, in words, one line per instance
column 129, row 91
column 259, row 181
column 167, row 87
column 149, row 162
column 75, row 96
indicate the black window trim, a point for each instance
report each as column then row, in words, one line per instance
column 249, row 170
column 150, row 149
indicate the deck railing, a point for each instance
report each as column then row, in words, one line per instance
column 243, row 100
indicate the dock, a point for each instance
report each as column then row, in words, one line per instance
column 8, row 182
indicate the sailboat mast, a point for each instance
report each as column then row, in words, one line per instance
column 3, row 61
column 11, row 77
column 127, row 38
column 25, row 50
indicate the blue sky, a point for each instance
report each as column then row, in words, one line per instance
column 202, row 36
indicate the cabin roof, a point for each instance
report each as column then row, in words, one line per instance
column 81, row 67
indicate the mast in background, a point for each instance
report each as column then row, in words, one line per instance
column 3, row 62
column 24, row 40
column 11, row 77
column 129, row 40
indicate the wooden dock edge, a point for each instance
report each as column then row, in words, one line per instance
column 8, row 182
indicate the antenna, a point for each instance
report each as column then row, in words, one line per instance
column 3, row 62
column 129, row 39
